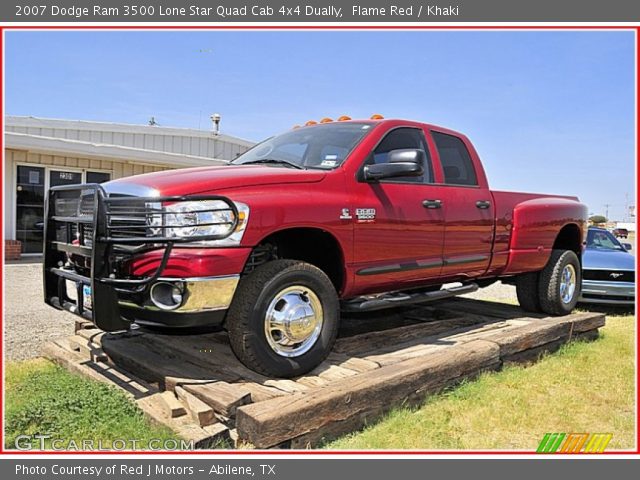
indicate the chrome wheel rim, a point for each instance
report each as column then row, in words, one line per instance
column 567, row 283
column 293, row 321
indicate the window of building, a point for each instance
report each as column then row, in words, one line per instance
column 456, row 161
column 98, row 177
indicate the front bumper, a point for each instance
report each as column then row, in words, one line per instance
column 613, row 293
column 205, row 302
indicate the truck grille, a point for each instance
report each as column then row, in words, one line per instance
column 609, row 275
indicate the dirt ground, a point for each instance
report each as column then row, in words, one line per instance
column 28, row 321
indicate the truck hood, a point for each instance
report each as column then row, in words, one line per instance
column 190, row 181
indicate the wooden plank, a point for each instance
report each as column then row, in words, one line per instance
column 332, row 372
column 211, row 436
column 209, row 351
column 584, row 322
column 172, row 404
column 312, row 381
column 535, row 334
column 152, row 364
column 367, row 342
column 200, row 411
column 59, row 352
column 346, row 404
column 286, row 385
column 260, row 393
column 352, row 363
column 485, row 308
column 90, row 350
column 223, row 397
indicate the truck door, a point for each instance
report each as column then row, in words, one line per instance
column 398, row 236
column 468, row 210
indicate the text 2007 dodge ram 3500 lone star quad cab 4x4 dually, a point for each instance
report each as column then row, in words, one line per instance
column 345, row 215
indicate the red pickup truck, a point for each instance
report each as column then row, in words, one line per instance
column 351, row 215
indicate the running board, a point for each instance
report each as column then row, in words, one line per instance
column 402, row 299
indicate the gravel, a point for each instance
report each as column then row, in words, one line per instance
column 28, row 322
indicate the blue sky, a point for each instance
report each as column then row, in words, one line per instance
column 547, row 111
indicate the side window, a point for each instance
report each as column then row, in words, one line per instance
column 398, row 139
column 456, row 161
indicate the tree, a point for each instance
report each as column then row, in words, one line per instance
column 597, row 219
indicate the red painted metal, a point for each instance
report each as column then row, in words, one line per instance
column 406, row 246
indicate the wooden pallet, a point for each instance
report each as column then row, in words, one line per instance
column 195, row 385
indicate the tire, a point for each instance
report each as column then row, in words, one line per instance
column 275, row 287
column 527, row 291
column 550, row 284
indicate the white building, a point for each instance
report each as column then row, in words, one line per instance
column 40, row 153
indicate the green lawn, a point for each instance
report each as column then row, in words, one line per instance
column 43, row 398
column 585, row 387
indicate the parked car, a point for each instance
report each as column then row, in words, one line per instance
column 608, row 270
column 621, row 232
column 347, row 215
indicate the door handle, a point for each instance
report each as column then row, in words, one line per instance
column 432, row 204
column 483, row 204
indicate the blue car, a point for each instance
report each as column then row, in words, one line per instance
column 608, row 270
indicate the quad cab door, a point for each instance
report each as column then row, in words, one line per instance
column 398, row 223
column 468, row 209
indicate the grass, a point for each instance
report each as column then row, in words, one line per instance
column 43, row 398
column 585, row 387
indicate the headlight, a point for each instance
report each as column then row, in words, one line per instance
column 205, row 218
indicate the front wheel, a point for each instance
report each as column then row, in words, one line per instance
column 284, row 318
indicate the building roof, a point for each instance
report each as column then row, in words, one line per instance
column 54, row 123
column 75, row 148
column 155, row 145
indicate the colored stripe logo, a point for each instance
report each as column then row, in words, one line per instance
column 574, row 442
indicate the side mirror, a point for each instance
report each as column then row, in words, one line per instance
column 402, row 163
column 627, row 246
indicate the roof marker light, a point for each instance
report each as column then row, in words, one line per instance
column 326, row 120
column 310, row 122
column 344, row 118
column 377, row 116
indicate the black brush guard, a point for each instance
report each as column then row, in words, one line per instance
column 89, row 238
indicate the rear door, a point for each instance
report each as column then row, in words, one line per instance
column 468, row 209
column 398, row 237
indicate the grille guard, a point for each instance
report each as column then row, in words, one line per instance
column 100, row 239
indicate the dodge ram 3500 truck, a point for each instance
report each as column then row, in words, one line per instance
column 336, row 216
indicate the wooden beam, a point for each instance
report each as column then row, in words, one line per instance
column 223, row 397
column 200, row 411
column 355, row 400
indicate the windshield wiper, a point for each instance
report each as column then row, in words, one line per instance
column 274, row 162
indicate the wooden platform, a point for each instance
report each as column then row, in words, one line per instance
column 195, row 385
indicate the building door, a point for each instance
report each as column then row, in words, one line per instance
column 30, row 188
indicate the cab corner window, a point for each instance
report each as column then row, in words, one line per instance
column 400, row 139
column 456, row 161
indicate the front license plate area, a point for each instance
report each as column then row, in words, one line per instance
column 87, row 299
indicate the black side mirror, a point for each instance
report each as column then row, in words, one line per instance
column 627, row 246
column 402, row 163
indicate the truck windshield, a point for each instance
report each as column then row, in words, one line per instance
column 322, row 146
